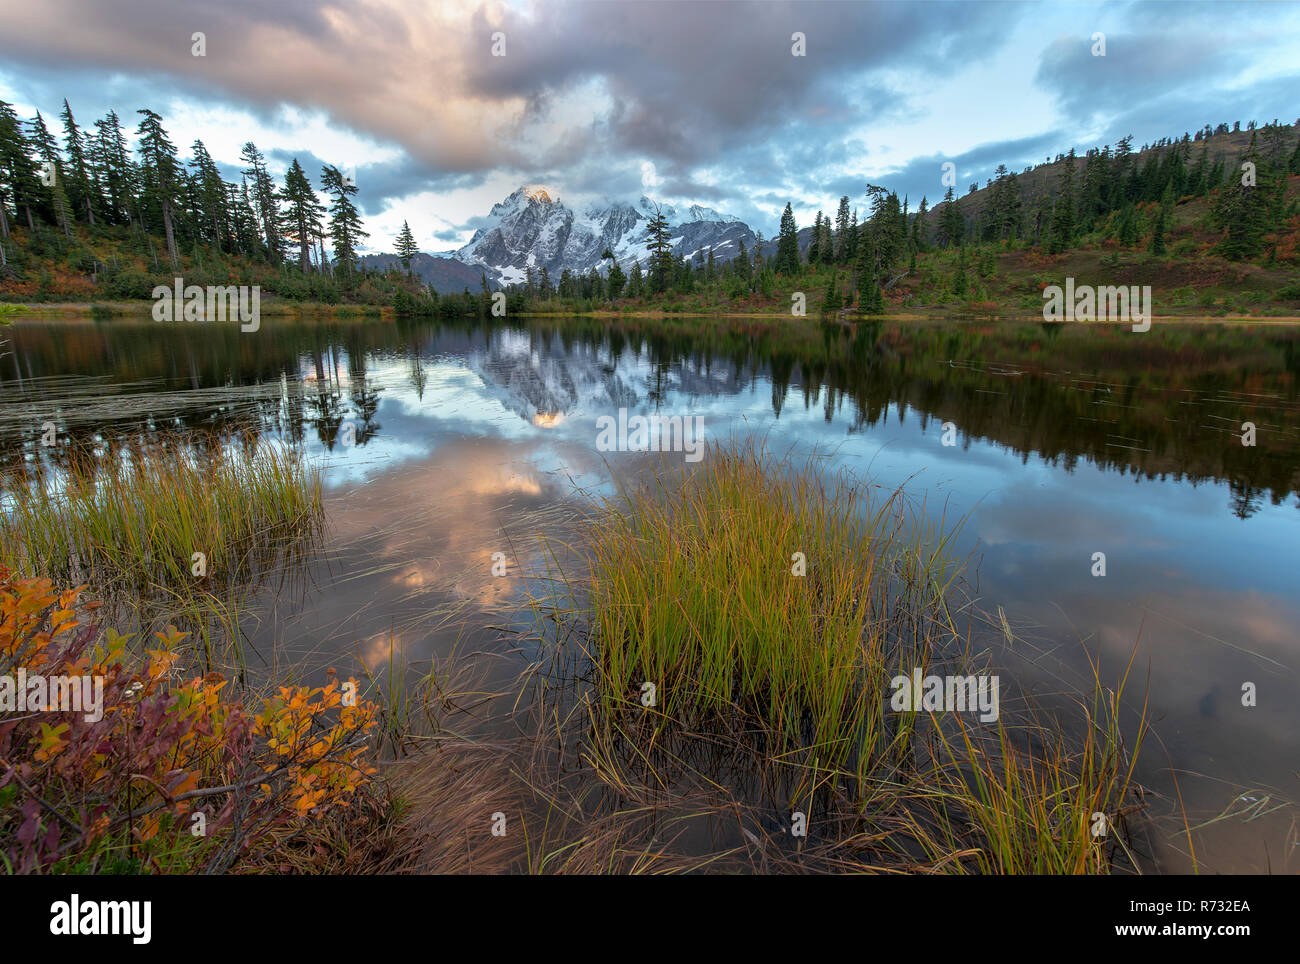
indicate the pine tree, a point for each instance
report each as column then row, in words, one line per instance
column 1063, row 221
column 1158, row 232
column 787, row 245
column 47, row 150
column 303, row 214
column 213, row 202
column 635, row 284
column 743, row 269
column 408, row 249
column 831, row 301
column 952, row 228
column 662, row 267
column 959, row 283
column 1128, row 229
column 19, row 181
column 345, row 222
column 842, row 235
column 814, row 246
column 264, row 199
column 161, row 172
column 1246, row 212
column 870, row 300
column 919, row 223
column 113, row 160
column 244, row 220
column 616, row 281
column 81, row 186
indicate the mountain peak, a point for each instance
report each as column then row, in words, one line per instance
column 533, row 228
column 536, row 192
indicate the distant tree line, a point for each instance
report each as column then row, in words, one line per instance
column 96, row 178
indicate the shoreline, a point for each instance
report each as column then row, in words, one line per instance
column 49, row 311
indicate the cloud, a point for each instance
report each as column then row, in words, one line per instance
column 412, row 97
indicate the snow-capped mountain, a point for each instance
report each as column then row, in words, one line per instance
column 534, row 228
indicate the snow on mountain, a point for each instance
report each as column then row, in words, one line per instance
column 534, row 228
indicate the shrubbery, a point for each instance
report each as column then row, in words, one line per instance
column 124, row 792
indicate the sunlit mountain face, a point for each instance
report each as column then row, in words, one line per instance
column 533, row 228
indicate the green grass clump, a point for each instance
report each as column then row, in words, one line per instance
column 772, row 689
column 137, row 520
column 694, row 588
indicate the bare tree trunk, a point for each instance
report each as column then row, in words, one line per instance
column 167, row 226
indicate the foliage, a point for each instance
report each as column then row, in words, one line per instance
column 125, row 790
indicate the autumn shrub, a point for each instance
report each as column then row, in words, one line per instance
column 167, row 774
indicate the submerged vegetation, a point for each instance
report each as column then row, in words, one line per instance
column 161, row 517
column 740, row 587
column 770, row 688
column 169, row 532
column 770, row 724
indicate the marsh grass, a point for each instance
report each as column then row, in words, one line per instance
column 131, row 524
column 694, row 587
column 772, row 693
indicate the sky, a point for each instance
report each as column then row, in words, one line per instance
column 443, row 109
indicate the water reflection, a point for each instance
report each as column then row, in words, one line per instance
column 445, row 445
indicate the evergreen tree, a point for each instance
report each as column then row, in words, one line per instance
column 19, row 180
column 918, row 225
column 1128, row 228
column 118, row 175
column 1158, row 232
column 1247, row 212
column 635, row 284
column 47, row 150
column 161, row 173
column 842, row 234
column 264, row 199
column 616, row 281
column 787, row 245
column 408, row 249
column 81, row 187
column 662, row 267
column 741, row 266
column 244, row 220
column 959, row 283
column 951, row 226
column 831, row 301
column 870, row 299
column 345, row 222
column 814, row 246
column 1063, row 221
column 303, row 215
column 213, row 202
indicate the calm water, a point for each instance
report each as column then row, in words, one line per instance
column 444, row 445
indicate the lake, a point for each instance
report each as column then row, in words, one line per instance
column 445, row 445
